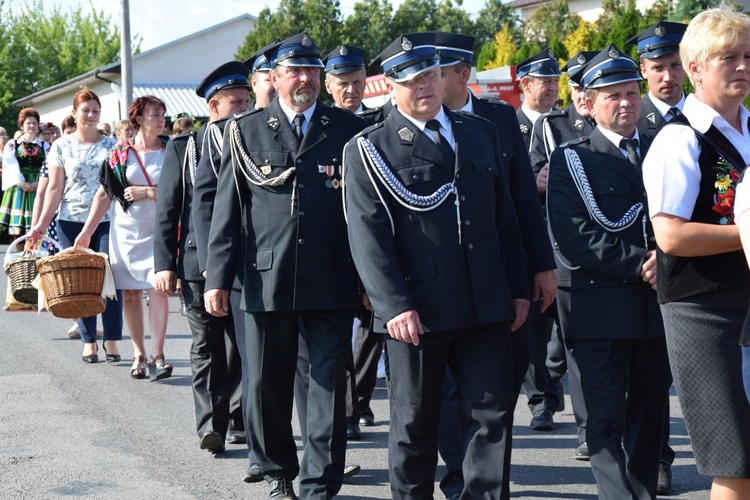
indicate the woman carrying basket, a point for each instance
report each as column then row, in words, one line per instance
column 130, row 176
column 73, row 163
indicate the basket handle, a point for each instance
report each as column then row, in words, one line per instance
column 23, row 238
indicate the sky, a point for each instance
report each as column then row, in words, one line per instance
column 161, row 21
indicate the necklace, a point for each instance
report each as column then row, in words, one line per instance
column 25, row 153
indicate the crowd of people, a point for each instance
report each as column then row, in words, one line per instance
column 485, row 251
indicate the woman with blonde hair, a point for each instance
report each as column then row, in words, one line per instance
column 703, row 281
column 131, row 177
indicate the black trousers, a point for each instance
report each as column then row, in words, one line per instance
column 624, row 382
column 271, row 340
column 216, row 366
column 480, row 361
column 368, row 347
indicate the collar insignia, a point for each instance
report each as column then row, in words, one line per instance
column 273, row 123
column 524, row 129
column 651, row 117
column 578, row 125
column 324, row 120
column 406, row 135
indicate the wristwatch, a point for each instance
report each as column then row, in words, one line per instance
column 150, row 192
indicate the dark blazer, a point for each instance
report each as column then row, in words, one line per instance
column 526, row 126
column 521, row 182
column 173, row 252
column 565, row 125
column 297, row 255
column 419, row 263
column 204, row 194
column 377, row 115
column 650, row 121
column 609, row 300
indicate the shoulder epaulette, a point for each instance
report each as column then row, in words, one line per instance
column 369, row 129
column 574, row 142
column 494, row 100
column 556, row 113
column 473, row 116
column 237, row 116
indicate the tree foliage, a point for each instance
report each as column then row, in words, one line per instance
column 40, row 48
column 369, row 28
column 504, row 49
column 550, row 21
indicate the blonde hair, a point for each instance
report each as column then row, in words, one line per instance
column 713, row 31
column 182, row 125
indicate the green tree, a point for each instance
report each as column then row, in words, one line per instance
column 320, row 18
column 494, row 17
column 620, row 20
column 414, row 16
column 548, row 21
column 368, row 28
column 582, row 38
column 685, row 10
column 38, row 49
column 504, row 49
column 487, row 54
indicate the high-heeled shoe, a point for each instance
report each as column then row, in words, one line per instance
column 158, row 369
column 111, row 358
column 92, row 358
column 138, row 370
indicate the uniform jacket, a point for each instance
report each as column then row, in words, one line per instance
column 173, row 203
column 297, row 255
column 421, row 264
column 609, row 300
column 526, row 126
column 565, row 125
column 521, row 182
column 650, row 121
column 377, row 115
column 205, row 190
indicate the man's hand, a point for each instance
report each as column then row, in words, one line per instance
column 216, row 301
column 406, row 327
column 648, row 270
column 545, row 287
column 166, row 281
column 521, row 306
column 541, row 179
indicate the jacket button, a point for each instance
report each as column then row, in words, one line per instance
column 415, row 176
column 299, row 160
column 255, row 266
column 300, row 186
column 301, row 241
column 458, row 176
column 407, row 279
column 463, row 198
column 591, row 282
column 470, row 246
column 301, row 213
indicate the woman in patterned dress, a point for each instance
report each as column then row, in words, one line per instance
column 22, row 160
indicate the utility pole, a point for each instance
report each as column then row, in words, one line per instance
column 125, row 59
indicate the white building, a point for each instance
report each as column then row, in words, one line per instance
column 171, row 72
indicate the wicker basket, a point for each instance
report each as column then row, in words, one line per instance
column 72, row 284
column 21, row 273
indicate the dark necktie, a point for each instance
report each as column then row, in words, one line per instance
column 434, row 127
column 673, row 111
column 631, row 146
column 299, row 119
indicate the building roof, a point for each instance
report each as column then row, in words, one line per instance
column 113, row 69
column 179, row 97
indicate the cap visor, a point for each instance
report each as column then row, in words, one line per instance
column 415, row 70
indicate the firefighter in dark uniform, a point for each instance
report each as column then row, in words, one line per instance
column 659, row 52
column 539, row 79
column 437, row 245
column 599, row 217
column 282, row 169
column 552, row 129
column 214, row 357
column 456, row 55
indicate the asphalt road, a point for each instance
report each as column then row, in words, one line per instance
column 68, row 429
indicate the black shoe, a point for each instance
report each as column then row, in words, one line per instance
column 282, row 489
column 236, row 437
column 561, row 397
column 367, row 420
column 212, row 442
column 253, row 474
column 111, row 358
column 353, row 433
column 542, row 421
column 664, row 484
column 92, row 358
column 351, row 470
column 582, row 452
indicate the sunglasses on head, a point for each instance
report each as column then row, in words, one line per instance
column 176, row 117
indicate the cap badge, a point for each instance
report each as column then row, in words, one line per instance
column 324, row 120
column 660, row 31
column 343, row 51
column 550, row 54
column 406, row 44
column 581, row 59
column 613, row 53
column 273, row 122
column 306, row 42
